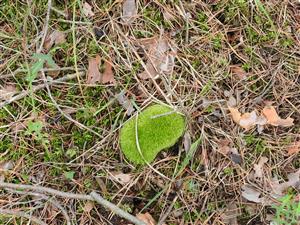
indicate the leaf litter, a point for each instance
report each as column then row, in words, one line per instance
column 7, row 92
column 269, row 116
column 87, row 10
column 160, row 59
column 55, row 38
column 146, row 218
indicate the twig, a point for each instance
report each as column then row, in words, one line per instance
column 21, row 214
column 45, row 30
column 91, row 197
column 116, row 209
column 167, row 213
column 39, row 87
column 47, row 198
column 14, row 73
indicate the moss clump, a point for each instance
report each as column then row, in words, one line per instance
column 156, row 131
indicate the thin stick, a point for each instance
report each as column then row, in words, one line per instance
column 21, row 214
column 39, row 87
column 91, row 197
column 45, row 30
column 116, row 209
column 51, row 191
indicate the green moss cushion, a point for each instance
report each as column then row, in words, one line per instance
column 155, row 133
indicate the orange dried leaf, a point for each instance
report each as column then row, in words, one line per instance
column 146, row 218
column 236, row 115
column 238, row 71
column 273, row 119
column 93, row 73
column 294, row 149
column 108, row 74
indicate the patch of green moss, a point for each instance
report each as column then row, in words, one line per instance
column 156, row 129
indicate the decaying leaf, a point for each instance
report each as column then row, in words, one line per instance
column 129, row 11
column 273, row 119
column 160, row 59
column 269, row 116
column 187, row 141
column 238, row 71
column 258, row 168
column 225, row 148
column 93, row 73
column 108, row 74
column 88, row 206
column 246, row 120
column 146, row 218
column 251, row 194
column 294, row 149
column 125, row 103
column 229, row 217
column 7, row 92
column 4, row 167
column 293, row 181
column 87, row 10
column 122, row 178
column 55, row 38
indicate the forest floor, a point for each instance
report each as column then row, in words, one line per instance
column 73, row 72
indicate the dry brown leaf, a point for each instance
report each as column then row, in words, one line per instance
column 7, row 92
column 129, row 11
column 125, row 103
column 88, row 206
column 146, row 218
column 246, row 120
column 55, row 38
column 273, row 119
column 93, row 73
column 258, row 168
column 87, row 10
column 223, row 146
column 122, row 178
column 294, row 149
column 108, row 74
column 158, row 59
column 238, row 71
column 279, row 188
column 251, row 194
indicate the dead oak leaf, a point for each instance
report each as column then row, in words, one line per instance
column 273, row 119
column 7, row 92
column 55, row 38
column 146, row 218
column 294, row 149
column 93, row 73
column 159, row 59
column 87, row 10
column 108, row 74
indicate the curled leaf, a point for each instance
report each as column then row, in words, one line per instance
column 273, row 119
column 246, row 120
